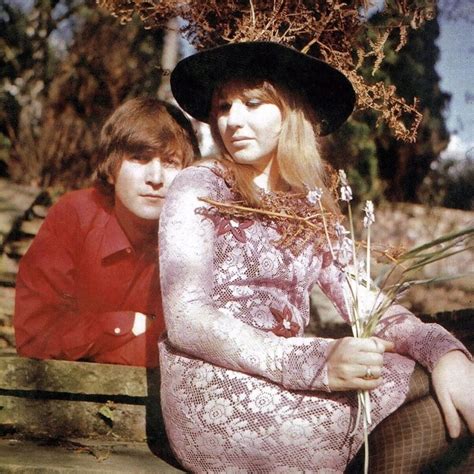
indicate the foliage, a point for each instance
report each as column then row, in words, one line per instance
column 389, row 57
column 332, row 30
column 353, row 147
column 53, row 134
column 377, row 163
column 450, row 183
column 403, row 166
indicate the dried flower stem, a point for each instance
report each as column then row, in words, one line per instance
column 238, row 207
column 355, row 306
column 326, row 233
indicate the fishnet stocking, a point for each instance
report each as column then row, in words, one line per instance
column 414, row 439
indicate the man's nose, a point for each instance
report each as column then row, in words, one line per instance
column 154, row 172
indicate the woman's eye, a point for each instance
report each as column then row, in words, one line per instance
column 253, row 103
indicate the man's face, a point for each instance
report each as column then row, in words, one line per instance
column 141, row 185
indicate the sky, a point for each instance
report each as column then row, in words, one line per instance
column 456, row 68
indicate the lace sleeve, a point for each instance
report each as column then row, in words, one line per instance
column 425, row 343
column 195, row 325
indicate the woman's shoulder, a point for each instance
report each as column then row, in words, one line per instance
column 204, row 174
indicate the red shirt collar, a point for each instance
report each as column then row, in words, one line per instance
column 114, row 239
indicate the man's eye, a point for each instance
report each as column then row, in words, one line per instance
column 223, row 106
column 171, row 160
column 171, row 163
column 139, row 159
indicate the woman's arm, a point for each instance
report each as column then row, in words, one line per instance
column 424, row 342
column 195, row 324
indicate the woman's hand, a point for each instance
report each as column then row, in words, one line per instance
column 453, row 381
column 356, row 363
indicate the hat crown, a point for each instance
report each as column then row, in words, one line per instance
column 326, row 89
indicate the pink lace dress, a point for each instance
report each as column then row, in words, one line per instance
column 242, row 389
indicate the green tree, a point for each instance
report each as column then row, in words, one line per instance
column 378, row 164
column 403, row 166
column 53, row 121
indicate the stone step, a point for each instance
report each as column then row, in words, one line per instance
column 60, row 400
column 31, row 227
column 8, row 270
column 17, row 248
column 78, row 457
column 15, row 199
column 74, row 399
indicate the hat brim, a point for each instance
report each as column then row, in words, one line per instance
column 327, row 90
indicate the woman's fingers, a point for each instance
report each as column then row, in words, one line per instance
column 377, row 345
column 356, row 364
column 453, row 381
column 468, row 414
column 364, row 384
column 369, row 358
column 451, row 416
column 369, row 372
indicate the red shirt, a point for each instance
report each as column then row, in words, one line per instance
column 80, row 284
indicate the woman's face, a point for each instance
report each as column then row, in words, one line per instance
column 249, row 127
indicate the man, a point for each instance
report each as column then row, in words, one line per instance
column 88, row 287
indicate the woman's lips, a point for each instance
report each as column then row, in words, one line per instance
column 152, row 196
column 240, row 140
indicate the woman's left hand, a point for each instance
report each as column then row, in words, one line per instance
column 453, row 381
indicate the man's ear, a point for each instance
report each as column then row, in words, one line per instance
column 114, row 171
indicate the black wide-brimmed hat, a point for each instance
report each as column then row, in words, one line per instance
column 327, row 90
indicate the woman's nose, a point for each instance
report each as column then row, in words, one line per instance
column 154, row 172
column 236, row 115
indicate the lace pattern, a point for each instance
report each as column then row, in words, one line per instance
column 242, row 389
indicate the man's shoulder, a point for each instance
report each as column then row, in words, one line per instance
column 84, row 205
column 85, row 201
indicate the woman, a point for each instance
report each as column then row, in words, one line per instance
column 242, row 390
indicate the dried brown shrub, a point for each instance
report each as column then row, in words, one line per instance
column 333, row 30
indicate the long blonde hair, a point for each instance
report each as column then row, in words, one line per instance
column 298, row 158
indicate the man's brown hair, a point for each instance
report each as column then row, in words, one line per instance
column 143, row 127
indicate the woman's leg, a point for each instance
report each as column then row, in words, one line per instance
column 414, row 438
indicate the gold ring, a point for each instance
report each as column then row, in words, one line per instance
column 368, row 373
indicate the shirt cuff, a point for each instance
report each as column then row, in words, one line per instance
column 117, row 323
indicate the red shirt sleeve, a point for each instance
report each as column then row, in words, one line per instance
column 47, row 323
